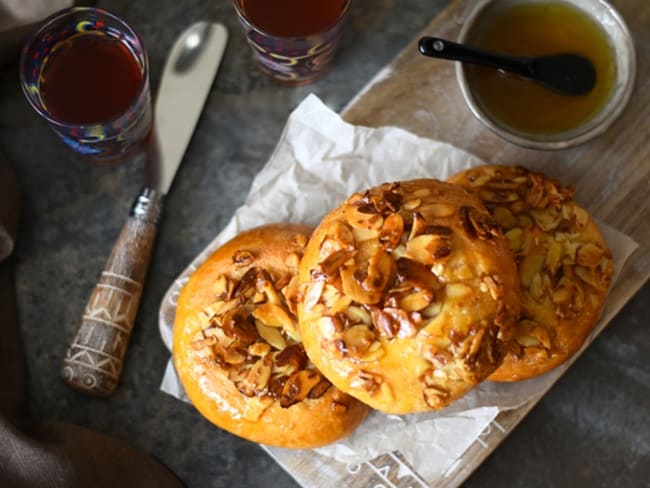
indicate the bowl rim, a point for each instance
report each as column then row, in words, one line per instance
column 601, row 121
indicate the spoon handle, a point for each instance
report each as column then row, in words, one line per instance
column 441, row 48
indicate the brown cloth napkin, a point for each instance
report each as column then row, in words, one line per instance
column 46, row 453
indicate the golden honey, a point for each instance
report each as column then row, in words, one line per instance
column 537, row 29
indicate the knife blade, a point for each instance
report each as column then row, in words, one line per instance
column 94, row 360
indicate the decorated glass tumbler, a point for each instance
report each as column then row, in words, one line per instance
column 293, row 41
column 86, row 72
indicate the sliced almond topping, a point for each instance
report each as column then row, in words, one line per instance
column 330, row 265
column 477, row 225
column 416, row 301
column 358, row 315
column 437, row 210
column 504, row 218
column 418, row 225
column 435, row 396
column 353, row 288
column 412, row 273
column 514, row 236
column 222, row 287
column 203, row 343
column 320, row 389
column 412, row 204
column 384, row 323
column 238, row 323
column 293, row 356
column 592, row 277
column 314, row 292
column 589, row 255
column 427, row 248
column 358, row 339
column 537, row 287
column 257, row 378
column 547, row 219
column 581, row 215
column 391, row 232
column 531, row 264
column 457, row 290
column 361, row 220
column 370, row 382
column 493, row 286
column 380, row 271
column 273, row 315
column 298, row 386
column 271, row 335
column 259, row 349
column 361, row 235
column 234, row 355
column 497, row 196
column 432, row 310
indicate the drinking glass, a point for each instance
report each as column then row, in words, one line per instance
column 101, row 141
column 293, row 60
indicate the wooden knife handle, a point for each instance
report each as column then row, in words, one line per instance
column 94, row 360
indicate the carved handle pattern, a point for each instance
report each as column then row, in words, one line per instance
column 94, row 360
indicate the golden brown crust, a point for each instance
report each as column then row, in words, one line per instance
column 408, row 294
column 564, row 264
column 237, row 351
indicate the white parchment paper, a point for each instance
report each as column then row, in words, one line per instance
column 319, row 161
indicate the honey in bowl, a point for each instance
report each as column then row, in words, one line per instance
column 537, row 29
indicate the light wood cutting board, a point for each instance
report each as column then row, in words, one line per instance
column 611, row 175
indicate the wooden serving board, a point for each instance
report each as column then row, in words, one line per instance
column 611, row 175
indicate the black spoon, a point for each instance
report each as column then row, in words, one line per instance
column 567, row 74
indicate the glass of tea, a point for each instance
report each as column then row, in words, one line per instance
column 293, row 40
column 86, row 72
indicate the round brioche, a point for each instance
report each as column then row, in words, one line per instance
column 237, row 348
column 408, row 295
column 565, row 267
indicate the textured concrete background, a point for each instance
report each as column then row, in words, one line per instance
column 592, row 429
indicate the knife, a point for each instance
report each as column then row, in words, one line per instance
column 94, row 360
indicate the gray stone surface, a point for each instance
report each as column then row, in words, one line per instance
column 592, row 429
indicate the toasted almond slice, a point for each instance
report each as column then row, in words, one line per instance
column 531, row 264
column 424, row 248
column 272, row 315
column 271, row 335
column 361, row 220
column 203, row 343
column 504, row 218
column 416, row 301
column 437, row 210
column 547, row 219
column 358, row 315
column 391, row 232
column 220, row 308
column 220, row 287
column 314, row 292
column 432, row 310
column 589, row 255
column 355, row 290
column 412, row 204
column 457, row 290
column 358, row 339
column 298, row 386
column 259, row 349
column 361, row 235
column 514, row 236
